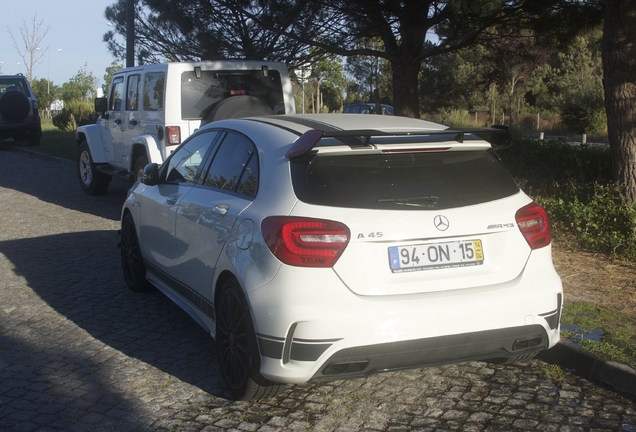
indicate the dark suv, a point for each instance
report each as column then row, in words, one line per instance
column 19, row 116
column 367, row 108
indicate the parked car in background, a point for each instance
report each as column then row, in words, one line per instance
column 367, row 108
column 325, row 247
column 152, row 108
column 19, row 114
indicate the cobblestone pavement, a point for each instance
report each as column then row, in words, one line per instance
column 80, row 352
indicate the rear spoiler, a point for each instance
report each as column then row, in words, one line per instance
column 498, row 136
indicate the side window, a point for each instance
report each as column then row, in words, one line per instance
column 132, row 93
column 153, row 91
column 183, row 166
column 116, row 94
column 235, row 166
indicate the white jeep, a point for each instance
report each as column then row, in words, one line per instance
column 152, row 108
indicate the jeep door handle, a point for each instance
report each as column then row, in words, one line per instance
column 221, row 209
column 172, row 199
column 134, row 122
column 117, row 122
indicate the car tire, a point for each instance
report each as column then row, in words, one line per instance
column 14, row 105
column 91, row 181
column 33, row 139
column 138, row 170
column 237, row 347
column 132, row 262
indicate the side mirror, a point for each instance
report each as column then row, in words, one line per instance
column 151, row 175
column 101, row 105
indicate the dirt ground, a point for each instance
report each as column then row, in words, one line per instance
column 590, row 277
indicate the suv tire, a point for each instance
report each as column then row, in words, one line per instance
column 14, row 105
column 138, row 170
column 33, row 139
column 92, row 181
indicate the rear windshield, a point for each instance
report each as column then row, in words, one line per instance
column 402, row 181
column 7, row 85
column 201, row 96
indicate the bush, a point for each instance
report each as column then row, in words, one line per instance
column 602, row 222
column 75, row 113
column 584, row 114
column 574, row 184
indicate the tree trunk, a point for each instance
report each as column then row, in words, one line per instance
column 619, row 66
column 405, row 85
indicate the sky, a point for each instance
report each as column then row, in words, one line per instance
column 74, row 39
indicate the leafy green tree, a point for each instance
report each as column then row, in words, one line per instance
column 45, row 92
column 82, row 86
column 328, row 75
column 108, row 76
column 455, row 80
column 372, row 75
column 185, row 30
column 286, row 29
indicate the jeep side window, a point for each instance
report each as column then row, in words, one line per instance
column 116, row 94
column 132, row 93
column 153, row 91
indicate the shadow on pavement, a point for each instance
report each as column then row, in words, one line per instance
column 78, row 275
column 56, row 182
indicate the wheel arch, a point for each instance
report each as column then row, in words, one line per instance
column 147, row 144
column 93, row 137
column 224, row 277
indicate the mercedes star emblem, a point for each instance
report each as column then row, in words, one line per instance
column 441, row 222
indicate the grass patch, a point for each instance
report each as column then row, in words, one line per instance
column 607, row 333
column 555, row 373
column 55, row 142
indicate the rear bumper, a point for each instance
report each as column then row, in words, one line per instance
column 310, row 326
column 20, row 129
column 500, row 344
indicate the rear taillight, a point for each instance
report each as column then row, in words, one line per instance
column 36, row 112
column 305, row 242
column 173, row 135
column 533, row 222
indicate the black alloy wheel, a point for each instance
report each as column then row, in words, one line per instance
column 237, row 346
column 131, row 260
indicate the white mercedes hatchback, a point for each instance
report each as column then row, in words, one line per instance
column 322, row 247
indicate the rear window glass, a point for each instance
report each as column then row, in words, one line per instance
column 201, row 96
column 153, row 91
column 403, row 181
column 13, row 85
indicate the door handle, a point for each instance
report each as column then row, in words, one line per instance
column 172, row 199
column 117, row 122
column 134, row 122
column 221, row 209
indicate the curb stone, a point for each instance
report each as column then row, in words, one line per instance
column 619, row 376
column 613, row 374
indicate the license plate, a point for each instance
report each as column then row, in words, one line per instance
column 432, row 256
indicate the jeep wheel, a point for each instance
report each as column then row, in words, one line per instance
column 91, row 181
column 138, row 170
column 14, row 105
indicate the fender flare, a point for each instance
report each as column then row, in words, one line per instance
column 92, row 135
column 152, row 146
